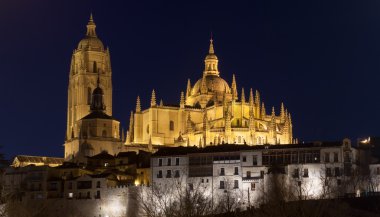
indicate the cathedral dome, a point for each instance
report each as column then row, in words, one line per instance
column 214, row 83
column 91, row 42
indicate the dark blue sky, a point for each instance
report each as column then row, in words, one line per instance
column 322, row 58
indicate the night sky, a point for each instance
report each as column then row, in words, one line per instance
column 321, row 58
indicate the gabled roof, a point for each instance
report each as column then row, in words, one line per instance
column 38, row 159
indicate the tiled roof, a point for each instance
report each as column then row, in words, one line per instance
column 38, row 159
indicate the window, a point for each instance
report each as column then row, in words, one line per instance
column 305, row 173
column 98, row 184
column 105, row 164
column 88, row 195
column 296, row 173
column 147, row 129
column 254, row 160
column 191, row 187
column 177, row 161
column 159, row 175
column 94, row 68
column 176, row 175
column 169, row 161
column 327, row 157
column 221, row 185
column 262, row 174
column 97, row 196
column 168, row 173
column 206, row 180
column 160, row 162
column 244, row 159
column 248, row 174
column 71, row 195
column 203, row 181
column 222, row 172
column 70, row 186
column 328, row 172
column 253, row 186
column 236, row 171
column 104, row 133
column 335, row 157
column 377, row 170
column 338, row 182
column 171, row 125
column 236, row 183
column 337, row 171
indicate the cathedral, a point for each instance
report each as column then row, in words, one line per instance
column 210, row 112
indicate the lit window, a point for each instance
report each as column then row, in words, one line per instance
column 71, row 195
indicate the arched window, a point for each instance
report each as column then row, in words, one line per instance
column 95, row 68
column 104, row 133
column 171, row 125
column 89, row 93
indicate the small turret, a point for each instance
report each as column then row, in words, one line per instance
column 182, row 100
column 242, row 96
column 153, row 99
column 188, row 88
column 234, row 88
column 131, row 128
column 138, row 104
column 282, row 113
column 204, row 89
column 263, row 111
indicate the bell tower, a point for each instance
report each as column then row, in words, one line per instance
column 88, row 60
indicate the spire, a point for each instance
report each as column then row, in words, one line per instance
column 91, row 27
column 263, row 112
column 251, row 101
column 211, row 49
column 234, row 88
column 161, row 102
column 282, row 112
column 153, row 99
column 188, row 88
column 242, row 96
column 131, row 124
column 257, row 98
column 182, row 100
column 273, row 112
column 204, row 85
column 138, row 104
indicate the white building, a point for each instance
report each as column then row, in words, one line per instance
column 245, row 173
